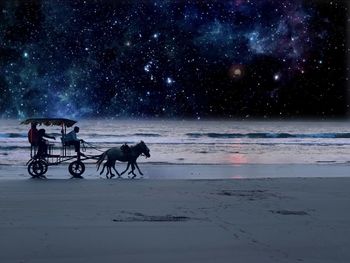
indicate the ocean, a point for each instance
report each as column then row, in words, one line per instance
column 199, row 142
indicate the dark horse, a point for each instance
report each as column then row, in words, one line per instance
column 117, row 154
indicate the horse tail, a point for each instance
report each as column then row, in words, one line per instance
column 101, row 159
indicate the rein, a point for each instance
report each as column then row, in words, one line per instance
column 93, row 146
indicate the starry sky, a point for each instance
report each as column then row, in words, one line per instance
column 173, row 58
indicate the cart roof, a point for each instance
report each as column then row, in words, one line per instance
column 50, row 121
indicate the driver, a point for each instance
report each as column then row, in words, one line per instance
column 72, row 139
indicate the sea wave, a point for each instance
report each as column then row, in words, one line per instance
column 24, row 135
column 14, row 147
column 147, row 134
column 94, row 135
column 192, row 146
column 264, row 135
column 13, row 135
column 212, row 135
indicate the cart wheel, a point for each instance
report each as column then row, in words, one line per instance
column 37, row 168
column 76, row 169
column 46, row 166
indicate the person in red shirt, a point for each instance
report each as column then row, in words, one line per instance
column 33, row 135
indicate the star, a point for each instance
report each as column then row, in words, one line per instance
column 169, row 80
column 277, row 77
column 147, row 68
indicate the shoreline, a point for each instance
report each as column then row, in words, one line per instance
column 196, row 171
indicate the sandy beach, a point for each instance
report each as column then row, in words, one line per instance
column 237, row 112
column 154, row 220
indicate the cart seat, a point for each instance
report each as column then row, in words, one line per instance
column 66, row 147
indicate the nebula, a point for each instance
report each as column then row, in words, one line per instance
column 173, row 59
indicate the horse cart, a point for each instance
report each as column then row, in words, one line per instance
column 39, row 163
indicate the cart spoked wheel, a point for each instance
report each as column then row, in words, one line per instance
column 45, row 165
column 37, row 168
column 76, row 169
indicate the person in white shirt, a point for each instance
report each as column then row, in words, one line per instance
column 72, row 139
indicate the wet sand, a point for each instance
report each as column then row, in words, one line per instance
column 152, row 220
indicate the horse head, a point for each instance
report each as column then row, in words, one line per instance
column 144, row 149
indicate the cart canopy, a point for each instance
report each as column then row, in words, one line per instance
column 50, row 122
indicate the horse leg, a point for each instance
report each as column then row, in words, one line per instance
column 107, row 165
column 138, row 168
column 103, row 169
column 132, row 170
column 110, row 170
column 107, row 171
column 112, row 164
column 127, row 167
column 116, row 170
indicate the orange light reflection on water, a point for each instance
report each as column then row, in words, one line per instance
column 238, row 159
column 237, row 177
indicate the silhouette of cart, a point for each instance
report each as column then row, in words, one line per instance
column 38, row 164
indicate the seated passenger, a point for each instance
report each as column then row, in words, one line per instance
column 42, row 143
column 71, row 139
